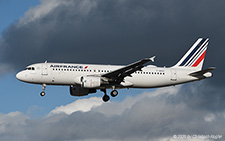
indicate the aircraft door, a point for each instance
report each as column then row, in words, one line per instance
column 44, row 69
column 173, row 75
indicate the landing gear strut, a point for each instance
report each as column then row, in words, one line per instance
column 105, row 98
column 43, row 90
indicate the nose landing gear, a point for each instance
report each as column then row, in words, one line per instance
column 43, row 90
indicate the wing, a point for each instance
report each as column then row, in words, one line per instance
column 118, row 75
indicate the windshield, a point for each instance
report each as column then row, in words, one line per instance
column 30, row 68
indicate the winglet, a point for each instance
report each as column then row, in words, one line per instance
column 152, row 58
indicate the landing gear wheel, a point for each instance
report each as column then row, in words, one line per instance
column 105, row 98
column 42, row 93
column 114, row 93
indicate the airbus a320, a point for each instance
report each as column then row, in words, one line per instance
column 84, row 79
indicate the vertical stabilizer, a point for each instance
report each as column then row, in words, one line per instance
column 195, row 56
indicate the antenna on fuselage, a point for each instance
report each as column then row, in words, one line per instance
column 46, row 61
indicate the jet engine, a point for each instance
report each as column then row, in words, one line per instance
column 88, row 81
column 79, row 91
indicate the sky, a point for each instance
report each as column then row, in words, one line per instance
column 110, row 32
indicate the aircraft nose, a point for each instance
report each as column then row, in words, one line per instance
column 19, row 76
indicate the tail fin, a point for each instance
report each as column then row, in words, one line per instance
column 195, row 56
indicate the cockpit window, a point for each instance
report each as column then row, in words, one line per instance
column 30, row 68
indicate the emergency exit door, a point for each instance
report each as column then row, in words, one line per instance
column 45, row 69
column 173, row 75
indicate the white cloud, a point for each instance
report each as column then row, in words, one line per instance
column 209, row 117
column 11, row 125
column 83, row 105
column 39, row 11
column 153, row 115
column 10, row 118
column 47, row 6
column 96, row 103
column 120, row 107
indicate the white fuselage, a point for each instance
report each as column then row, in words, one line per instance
column 65, row 74
column 84, row 79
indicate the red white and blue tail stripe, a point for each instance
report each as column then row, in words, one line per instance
column 194, row 58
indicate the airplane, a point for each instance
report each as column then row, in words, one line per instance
column 84, row 79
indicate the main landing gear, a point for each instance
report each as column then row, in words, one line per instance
column 114, row 93
column 43, row 90
column 106, row 98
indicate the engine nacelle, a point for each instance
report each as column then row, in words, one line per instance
column 88, row 81
column 78, row 91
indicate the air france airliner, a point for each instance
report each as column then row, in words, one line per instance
column 84, row 79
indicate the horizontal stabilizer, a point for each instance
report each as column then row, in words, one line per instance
column 203, row 74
